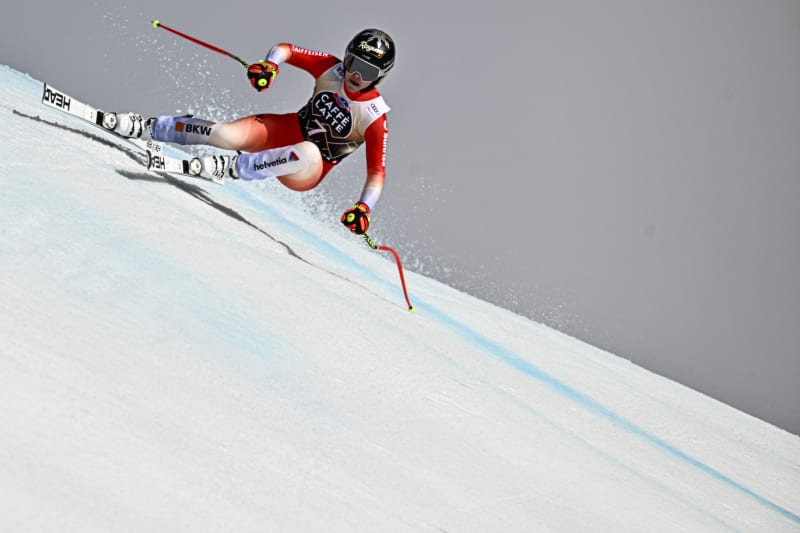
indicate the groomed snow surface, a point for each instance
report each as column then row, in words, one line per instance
column 180, row 356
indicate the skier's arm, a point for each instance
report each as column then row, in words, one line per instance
column 356, row 219
column 311, row 61
column 263, row 73
column 376, row 137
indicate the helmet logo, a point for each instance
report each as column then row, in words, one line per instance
column 374, row 50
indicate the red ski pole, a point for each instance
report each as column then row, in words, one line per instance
column 399, row 266
column 157, row 24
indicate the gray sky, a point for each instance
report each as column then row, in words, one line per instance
column 625, row 171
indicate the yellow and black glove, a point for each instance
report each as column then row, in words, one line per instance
column 356, row 219
column 261, row 75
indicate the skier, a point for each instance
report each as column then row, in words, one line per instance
column 299, row 149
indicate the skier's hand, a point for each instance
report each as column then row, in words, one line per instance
column 261, row 75
column 356, row 219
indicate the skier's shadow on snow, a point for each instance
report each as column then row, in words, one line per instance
column 192, row 190
column 200, row 194
column 96, row 138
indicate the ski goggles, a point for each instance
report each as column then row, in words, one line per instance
column 368, row 71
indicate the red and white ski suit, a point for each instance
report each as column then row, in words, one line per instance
column 300, row 148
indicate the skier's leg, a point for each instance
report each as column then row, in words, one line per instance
column 258, row 132
column 298, row 166
column 185, row 130
column 275, row 142
column 248, row 134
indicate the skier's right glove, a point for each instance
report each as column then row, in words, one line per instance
column 261, row 74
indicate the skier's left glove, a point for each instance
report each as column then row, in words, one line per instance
column 261, row 75
column 356, row 219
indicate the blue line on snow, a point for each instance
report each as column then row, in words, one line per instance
column 575, row 395
column 589, row 403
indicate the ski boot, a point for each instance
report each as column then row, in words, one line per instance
column 129, row 125
column 215, row 167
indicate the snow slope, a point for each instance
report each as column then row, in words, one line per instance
column 180, row 356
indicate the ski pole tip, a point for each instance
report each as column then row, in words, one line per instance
column 411, row 309
column 156, row 23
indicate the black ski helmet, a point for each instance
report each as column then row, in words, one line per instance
column 375, row 48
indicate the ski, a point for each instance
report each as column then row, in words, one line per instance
column 156, row 159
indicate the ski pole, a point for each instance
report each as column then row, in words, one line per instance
column 374, row 246
column 157, row 24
